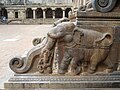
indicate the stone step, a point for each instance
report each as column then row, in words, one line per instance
column 27, row 81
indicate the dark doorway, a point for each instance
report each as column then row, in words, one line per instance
column 49, row 13
column 67, row 12
column 58, row 13
column 16, row 14
column 4, row 13
column 29, row 13
column 39, row 13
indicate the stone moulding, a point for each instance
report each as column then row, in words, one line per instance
column 63, row 82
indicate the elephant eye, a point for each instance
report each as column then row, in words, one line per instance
column 82, row 34
column 108, row 36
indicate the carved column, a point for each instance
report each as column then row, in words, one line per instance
column 53, row 14
column 63, row 13
column 34, row 16
column 44, row 16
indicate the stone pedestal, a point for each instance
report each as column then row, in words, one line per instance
column 93, row 18
column 52, row 81
column 36, row 82
column 87, row 56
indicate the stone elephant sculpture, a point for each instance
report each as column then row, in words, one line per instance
column 85, row 45
column 42, row 51
column 57, row 32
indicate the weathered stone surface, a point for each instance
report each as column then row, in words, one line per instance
column 104, row 6
column 56, row 81
column 73, row 56
column 36, row 81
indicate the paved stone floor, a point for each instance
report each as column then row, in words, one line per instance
column 15, row 40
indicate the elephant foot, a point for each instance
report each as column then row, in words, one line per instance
column 85, row 74
column 108, row 71
column 76, row 71
column 91, row 71
column 48, row 70
column 60, row 71
column 118, row 69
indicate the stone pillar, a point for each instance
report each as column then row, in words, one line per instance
column 44, row 16
column 53, row 14
column 53, row 11
column 63, row 13
column 34, row 16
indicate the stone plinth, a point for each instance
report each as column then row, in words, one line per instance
column 98, row 19
column 30, row 81
column 86, row 55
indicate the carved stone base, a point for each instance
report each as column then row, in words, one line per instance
column 36, row 81
column 95, row 19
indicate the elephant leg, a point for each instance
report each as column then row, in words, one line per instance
column 75, row 66
column 65, row 63
column 98, row 56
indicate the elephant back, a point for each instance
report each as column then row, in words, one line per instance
column 88, row 37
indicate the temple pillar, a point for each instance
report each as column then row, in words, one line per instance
column 44, row 15
column 63, row 13
column 53, row 14
column 53, row 11
column 34, row 16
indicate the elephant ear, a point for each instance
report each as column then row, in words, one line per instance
column 105, row 41
column 77, row 34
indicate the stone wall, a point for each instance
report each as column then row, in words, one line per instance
column 36, row 14
column 19, row 12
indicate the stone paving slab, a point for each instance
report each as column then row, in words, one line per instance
column 15, row 40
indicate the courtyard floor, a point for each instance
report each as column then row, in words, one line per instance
column 14, row 41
